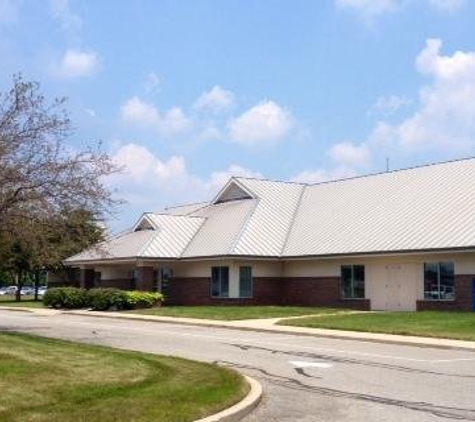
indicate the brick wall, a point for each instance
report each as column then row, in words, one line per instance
column 318, row 291
column 463, row 297
column 124, row 284
column 323, row 291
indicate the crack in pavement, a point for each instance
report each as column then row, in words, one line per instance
column 352, row 361
column 291, row 383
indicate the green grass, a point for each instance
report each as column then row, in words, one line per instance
column 229, row 313
column 28, row 302
column 452, row 325
column 51, row 380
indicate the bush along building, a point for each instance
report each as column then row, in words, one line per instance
column 400, row 240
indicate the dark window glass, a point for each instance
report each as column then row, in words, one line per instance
column 245, row 281
column 439, row 281
column 220, row 281
column 353, row 281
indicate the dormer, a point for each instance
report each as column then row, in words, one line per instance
column 144, row 223
column 233, row 191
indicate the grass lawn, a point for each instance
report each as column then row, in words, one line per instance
column 51, row 380
column 28, row 301
column 453, row 325
column 229, row 313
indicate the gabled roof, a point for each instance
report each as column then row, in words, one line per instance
column 424, row 208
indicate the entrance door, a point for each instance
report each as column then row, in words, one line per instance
column 400, row 288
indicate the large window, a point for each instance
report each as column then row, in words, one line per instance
column 245, row 281
column 352, row 282
column 439, row 281
column 220, row 281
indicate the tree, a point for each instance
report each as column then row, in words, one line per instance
column 39, row 173
column 52, row 198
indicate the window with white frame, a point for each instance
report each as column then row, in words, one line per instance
column 220, row 281
column 439, row 281
column 353, row 282
column 245, row 281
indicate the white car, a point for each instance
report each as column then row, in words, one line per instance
column 42, row 291
column 27, row 291
column 10, row 290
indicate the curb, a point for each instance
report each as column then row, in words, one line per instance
column 426, row 342
column 241, row 409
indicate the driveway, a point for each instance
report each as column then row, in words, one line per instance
column 304, row 378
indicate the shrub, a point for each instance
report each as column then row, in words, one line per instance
column 107, row 298
column 138, row 300
column 66, row 297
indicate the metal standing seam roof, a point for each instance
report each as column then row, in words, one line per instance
column 422, row 208
column 430, row 207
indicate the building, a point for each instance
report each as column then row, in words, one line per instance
column 400, row 240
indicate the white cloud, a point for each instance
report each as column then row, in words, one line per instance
column 61, row 10
column 151, row 182
column 90, row 112
column 76, row 64
column 218, row 178
column 265, row 123
column 138, row 112
column 390, row 104
column 445, row 118
column 323, row 175
column 349, row 154
column 215, row 100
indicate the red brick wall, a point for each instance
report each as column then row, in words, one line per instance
column 124, row 284
column 462, row 302
column 323, row 291
column 318, row 291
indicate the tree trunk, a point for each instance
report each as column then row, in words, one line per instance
column 37, row 284
column 19, row 286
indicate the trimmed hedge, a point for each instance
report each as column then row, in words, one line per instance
column 108, row 298
column 100, row 299
column 66, row 297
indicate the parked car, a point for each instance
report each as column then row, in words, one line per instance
column 42, row 290
column 25, row 291
column 10, row 290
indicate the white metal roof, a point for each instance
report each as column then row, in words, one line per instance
column 223, row 225
column 430, row 207
column 423, row 208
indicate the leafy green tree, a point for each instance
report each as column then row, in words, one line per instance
column 52, row 197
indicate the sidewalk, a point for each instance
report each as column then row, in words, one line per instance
column 266, row 325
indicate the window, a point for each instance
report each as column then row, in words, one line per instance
column 245, row 281
column 220, row 281
column 352, row 282
column 439, row 281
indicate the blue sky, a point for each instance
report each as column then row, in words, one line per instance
column 185, row 94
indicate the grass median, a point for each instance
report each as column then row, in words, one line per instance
column 233, row 313
column 451, row 325
column 51, row 380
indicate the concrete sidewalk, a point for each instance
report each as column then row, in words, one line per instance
column 267, row 325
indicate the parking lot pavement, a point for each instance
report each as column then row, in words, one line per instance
column 305, row 378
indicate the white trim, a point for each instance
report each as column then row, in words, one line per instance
column 230, row 182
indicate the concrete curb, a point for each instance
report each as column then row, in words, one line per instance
column 245, row 325
column 241, row 409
